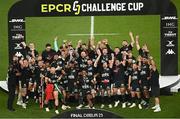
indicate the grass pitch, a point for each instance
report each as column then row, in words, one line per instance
column 169, row 104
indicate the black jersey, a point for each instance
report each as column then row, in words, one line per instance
column 64, row 80
column 144, row 71
column 105, row 58
column 135, row 77
column 53, row 78
column 118, row 73
column 38, row 73
column 154, row 78
column 106, row 74
column 90, row 71
column 33, row 68
column 28, row 52
column 143, row 53
column 82, row 62
column 118, row 56
column 48, row 56
column 58, row 63
column 26, row 74
column 126, row 48
column 128, row 71
column 84, row 82
column 71, row 76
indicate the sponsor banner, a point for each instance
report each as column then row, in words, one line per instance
column 51, row 8
column 16, row 36
column 169, row 45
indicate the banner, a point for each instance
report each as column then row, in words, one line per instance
column 48, row 8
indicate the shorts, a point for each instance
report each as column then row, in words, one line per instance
column 84, row 92
column 145, row 85
column 105, row 86
column 135, row 88
column 72, row 89
column 49, row 92
column 24, row 83
column 155, row 91
column 65, row 87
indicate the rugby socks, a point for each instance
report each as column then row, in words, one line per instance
column 139, row 100
column 28, row 95
column 56, row 107
column 147, row 100
column 109, row 99
column 133, row 99
column 46, row 105
column 93, row 100
column 119, row 97
column 128, row 97
column 123, row 98
column 116, row 97
column 102, row 99
column 24, row 99
column 50, row 104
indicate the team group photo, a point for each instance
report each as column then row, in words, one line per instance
column 67, row 65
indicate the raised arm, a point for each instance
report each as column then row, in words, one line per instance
column 78, row 45
column 97, row 59
column 132, row 38
column 111, row 61
column 137, row 43
column 56, row 44
column 24, row 44
column 91, row 43
column 139, row 63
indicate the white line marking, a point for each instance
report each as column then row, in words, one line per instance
column 92, row 27
column 96, row 34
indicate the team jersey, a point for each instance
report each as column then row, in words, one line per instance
column 144, row 71
column 143, row 53
column 82, row 62
column 48, row 56
column 126, row 48
column 53, row 78
column 105, row 58
column 118, row 56
column 106, row 74
column 118, row 73
column 39, row 72
column 135, row 78
column 128, row 71
column 33, row 68
column 71, row 76
column 64, row 80
column 90, row 71
column 84, row 82
column 25, row 73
